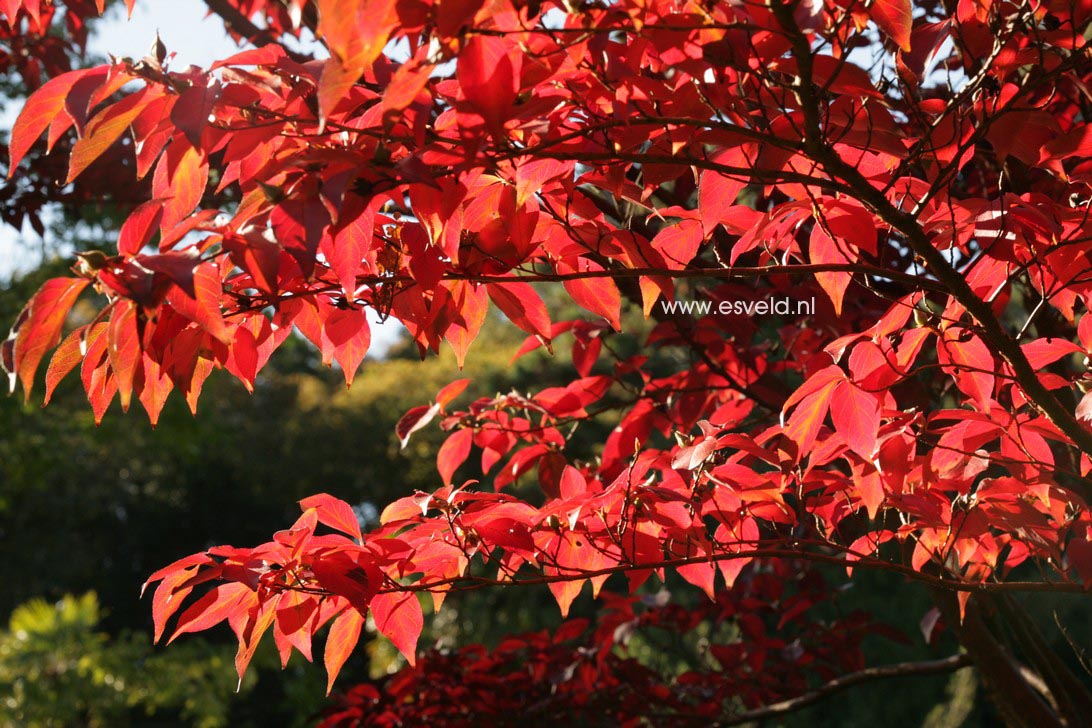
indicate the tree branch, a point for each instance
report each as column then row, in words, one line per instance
column 903, row 669
column 989, row 328
column 245, row 27
column 471, row 582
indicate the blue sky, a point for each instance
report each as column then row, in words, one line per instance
column 182, row 24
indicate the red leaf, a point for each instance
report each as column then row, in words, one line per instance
column 1079, row 555
column 156, row 388
column 180, row 179
column 299, row 226
column 292, row 626
column 506, row 533
column 597, row 295
column 66, row 358
column 124, row 348
column 446, row 395
column 571, row 558
column 204, row 309
column 523, row 307
column 355, row 578
column 398, row 617
column 856, row 417
column 453, row 453
column 1044, row 352
column 168, row 597
column 345, row 251
column 139, row 227
column 470, row 303
column 453, row 15
column 826, row 250
column 803, row 426
column 678, row 244
column 334, row 513
column 343, row 636
column 489, row 78
column 870, row 488
column 925, row 39
column 216, row 606
column 717, row 192
column 701, row 574
column 894, row 18
column 191, row 112
column 39, row 327
column 258, row 256
column 179, row 266
column 573, row 483
column 243, row 357
column 250, row 634
column 267, row 55
column 971, row 363
column 348, row 331
column 413, row 421
column 98, row 379
column 43, row 107
column 105, row 129
column 355, row 32
column 409, row 80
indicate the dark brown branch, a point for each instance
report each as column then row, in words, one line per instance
column 837, row 685
column 239, row 23
column 1008, row 683
column 242, row 25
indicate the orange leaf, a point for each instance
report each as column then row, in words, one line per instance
column 807, row 418
column 180, row 179
column 355, row 31
column 894, row 18
column 43, row 108
column 453, row 453
column 826, row 250
column 66, row 358
column 105, row 129
column 398, row 617
column 597, row 295
column 470, row 303
column 856, row 417
column 214, row 607
column 38, row 328
column 448, row 394
column 350, row 335
column 156, row 388
column 98, row 380
column 523, row 307
column 334, row 513
column 344, row 634
column 124, row 348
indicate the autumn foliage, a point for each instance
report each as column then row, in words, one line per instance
column 922, row 169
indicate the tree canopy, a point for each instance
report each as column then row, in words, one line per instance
column 624, row 181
